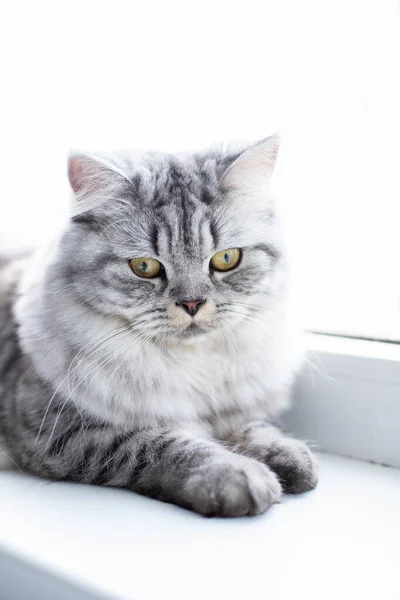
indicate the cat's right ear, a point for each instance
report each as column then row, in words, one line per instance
column 78, row 171
column 94, row 180
column 88, row 174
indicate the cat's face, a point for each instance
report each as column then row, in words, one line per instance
column 177, row 247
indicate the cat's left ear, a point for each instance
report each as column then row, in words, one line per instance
column 253, row 169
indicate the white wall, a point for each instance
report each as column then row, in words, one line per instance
column 174, row 75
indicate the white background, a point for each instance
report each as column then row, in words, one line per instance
column 176, row 75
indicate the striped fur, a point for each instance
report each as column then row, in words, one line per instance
column 105, row 379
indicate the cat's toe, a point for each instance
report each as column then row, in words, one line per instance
column 232, row 490
column 294, row 464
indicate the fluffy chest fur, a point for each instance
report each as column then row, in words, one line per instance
column 188, row 381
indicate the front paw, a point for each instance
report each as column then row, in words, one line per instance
column 294, row 464
column 232, row 489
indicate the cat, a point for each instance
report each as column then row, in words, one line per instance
column 154, row 343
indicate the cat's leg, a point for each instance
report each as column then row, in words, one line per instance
column 176, row 466
column 180, row 466
column 291, row 459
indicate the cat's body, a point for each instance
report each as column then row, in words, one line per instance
column 107, row 377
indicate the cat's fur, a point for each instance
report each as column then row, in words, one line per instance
column 104, row 379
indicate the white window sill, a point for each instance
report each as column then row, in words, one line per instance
column 349, row 403
column 73, row 542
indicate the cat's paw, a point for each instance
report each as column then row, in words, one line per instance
column 294, row 464
column 232, row 489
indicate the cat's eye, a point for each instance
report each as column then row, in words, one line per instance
column 146, row 267
column 225, row 260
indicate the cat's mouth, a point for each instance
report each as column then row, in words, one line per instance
column 192, row 330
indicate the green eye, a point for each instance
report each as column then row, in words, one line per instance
column 145, row 267
column 225, row 260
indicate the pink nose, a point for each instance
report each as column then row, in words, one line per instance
column 191, row 306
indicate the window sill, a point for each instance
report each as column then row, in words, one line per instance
column 349, row 401
column 76, row 542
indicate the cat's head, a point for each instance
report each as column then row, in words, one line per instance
column 176, row 246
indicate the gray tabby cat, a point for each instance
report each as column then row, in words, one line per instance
column 153, row 344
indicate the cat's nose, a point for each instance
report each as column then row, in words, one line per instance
column 191, row 306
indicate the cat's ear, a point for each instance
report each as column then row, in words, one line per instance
column 89, row 175
column 253, row 169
